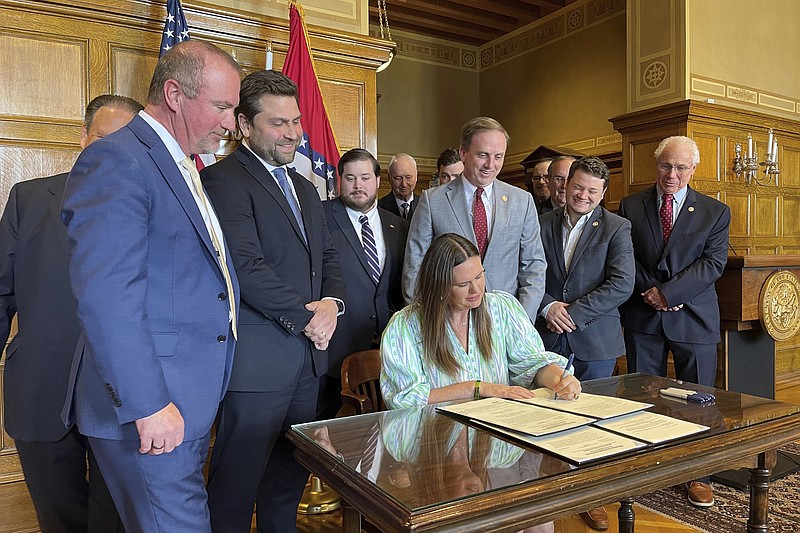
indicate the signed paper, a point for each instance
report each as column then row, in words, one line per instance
column 579, row 445
column 651, row 427
column 517, row 416
column 593, row 405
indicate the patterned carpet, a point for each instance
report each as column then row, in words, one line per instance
column 729, row 512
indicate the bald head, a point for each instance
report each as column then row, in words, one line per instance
column 403, row 176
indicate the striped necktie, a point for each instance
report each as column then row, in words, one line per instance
column 283, row 181
column 370, row 249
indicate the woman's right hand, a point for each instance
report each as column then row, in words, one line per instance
column 496, row 390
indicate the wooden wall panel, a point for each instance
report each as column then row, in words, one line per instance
column 43, row 76
column 740, row 214
column 131, row 70
column 19, row 163
column 344, row 97
column 709, row 168
column 790, row 166
column 765, row 215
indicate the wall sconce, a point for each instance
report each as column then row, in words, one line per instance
column 748, row 165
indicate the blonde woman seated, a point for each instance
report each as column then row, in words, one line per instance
column 456, row 341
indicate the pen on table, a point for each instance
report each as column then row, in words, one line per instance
column 566, row 371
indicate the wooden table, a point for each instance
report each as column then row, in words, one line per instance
column 435, row 473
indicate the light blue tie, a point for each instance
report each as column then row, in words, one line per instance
column 283, row 181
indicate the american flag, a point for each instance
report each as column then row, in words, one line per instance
column 175, row 28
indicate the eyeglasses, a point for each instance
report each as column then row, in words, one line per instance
column 539, row 178
column 559, row 179
column 666, row 168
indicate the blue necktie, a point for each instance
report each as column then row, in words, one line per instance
column 283, row 181
column 370, row 249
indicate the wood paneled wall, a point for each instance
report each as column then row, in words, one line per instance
column 765, row 219
column 56, row 56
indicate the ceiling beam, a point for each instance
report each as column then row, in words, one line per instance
column 482, row 18
column 482, row 34
column 524, row 14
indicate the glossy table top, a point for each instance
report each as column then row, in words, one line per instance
column 418, row 459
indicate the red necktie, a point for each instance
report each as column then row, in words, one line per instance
column 198, row 162
column 666, row 216
column 479, row 222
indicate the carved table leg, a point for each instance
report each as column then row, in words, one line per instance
column 758, row 521
column 351, row 518
column 626, row 515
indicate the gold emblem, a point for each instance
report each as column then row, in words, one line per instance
column 595, row 223
column 504, row 198
column 691, row 209
column 779, row 305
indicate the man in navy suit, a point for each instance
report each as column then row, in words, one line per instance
column 156, row 294
column 680, row 242
column 292, row 294
column 590, row 273
column 403, row 179
column 34, row 286
column 371, row 243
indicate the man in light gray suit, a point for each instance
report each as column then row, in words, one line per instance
column 500, row 219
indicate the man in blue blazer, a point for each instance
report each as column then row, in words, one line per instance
column 680, row 242
column 372, row 296
column 292, row 293
column 34, row 286
column 156, row 294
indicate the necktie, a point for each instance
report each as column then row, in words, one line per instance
column 666, row 216
column 188, row 164
column 405, row 207
column 198, row 162
column 283, row 181
column 368, row 241
column 370, row 449
column 479, row 222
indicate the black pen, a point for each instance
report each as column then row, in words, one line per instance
column 566, row 371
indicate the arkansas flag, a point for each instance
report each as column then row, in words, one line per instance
column 318, row 154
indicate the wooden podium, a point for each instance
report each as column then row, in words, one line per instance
column 746, row 361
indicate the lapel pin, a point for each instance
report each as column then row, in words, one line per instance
column 504, row 198
column 391, row 226
column 595, row 223
column 691, row 209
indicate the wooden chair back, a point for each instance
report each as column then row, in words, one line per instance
column 361, row 372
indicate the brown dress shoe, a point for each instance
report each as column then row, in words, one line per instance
column 596, row 518
column 700, row 494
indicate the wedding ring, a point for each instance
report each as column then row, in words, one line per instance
column 158, row 447
column 323, row 335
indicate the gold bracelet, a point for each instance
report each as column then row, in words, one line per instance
column 477, row 389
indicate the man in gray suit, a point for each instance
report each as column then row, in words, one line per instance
column 500, row 219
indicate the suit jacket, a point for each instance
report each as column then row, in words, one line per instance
column 369, row 307
column 514, row 260
column 34, row 286
column 685, row 270
column 545, row 206
column 279, row 273
column 599, row 280
column 152, row 299
column 389, row 203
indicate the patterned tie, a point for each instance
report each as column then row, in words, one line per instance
column 188, row 164
column 283, row 181
column 479, row 222
column 666, row 216
column 370, row 449
column 368, row 241
column 405, row 207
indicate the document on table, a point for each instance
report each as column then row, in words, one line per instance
column 593, row 405
column 517, row 416
column 578, row 445
column 651, row 427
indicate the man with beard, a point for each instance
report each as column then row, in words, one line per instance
column 291, row 294
column 557, row 183
column 371, row 243
column 539, row 186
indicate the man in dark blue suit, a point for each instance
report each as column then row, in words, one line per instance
column 371, row 243
column 34, row 286
column 292, row 293
column 680, row 242
column 156, row 294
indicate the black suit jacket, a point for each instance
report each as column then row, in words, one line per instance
column 545, row 206
column 278, row 273
column 389, row 203
column 369, row 307
column 34, row 285
column 685, row 270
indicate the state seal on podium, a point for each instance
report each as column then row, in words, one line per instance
column 779, row 305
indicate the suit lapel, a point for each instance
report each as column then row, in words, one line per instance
column 172, row 175
column 57, row 193
column 501, row 213
column 342, row 220
column 255, row 168
column 683, row 222
column 458, row 204
column 650, row 208
column 393, row 245
column 305, row 208
column 590, row 229
column 557, row 236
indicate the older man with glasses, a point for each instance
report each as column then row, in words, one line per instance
column 557, row 184
column 680, row 243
